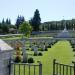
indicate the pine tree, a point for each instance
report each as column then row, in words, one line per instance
column 7, row 21
column 3, row 21
column 19, row 21
column 36, row 20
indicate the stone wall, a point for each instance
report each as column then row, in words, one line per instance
column 4, row 62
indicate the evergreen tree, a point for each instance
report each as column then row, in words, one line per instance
column 5, row 28
column 3, row 21
column 7, row 21
column 19, row 21
column 22, row 19
column 36, row 20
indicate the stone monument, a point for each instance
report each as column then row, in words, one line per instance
column 64, row 33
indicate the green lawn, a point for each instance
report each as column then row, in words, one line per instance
column 61, row 51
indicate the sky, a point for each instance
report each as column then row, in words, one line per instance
column 49, row 9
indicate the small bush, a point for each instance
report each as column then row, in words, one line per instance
column 17, row 59
column 27, row 49
column 49, row 46
column 30, row 60
column 73, row 49
column 35, row 54
column 73, row 46
column 39, row 54
column 41, row 49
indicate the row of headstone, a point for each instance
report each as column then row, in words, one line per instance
column 33, row 44
column 12, row 42
column 41, row 44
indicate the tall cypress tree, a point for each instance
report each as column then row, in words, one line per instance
column 7, row 21
column 3, row 21
column 36, row 20
column 19, row 21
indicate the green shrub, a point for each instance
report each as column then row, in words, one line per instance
column 73, row 46
column 41, row 49
column 73, row 49
column 17, row 59
column 31, row 60
column 27, row 49
column 39, row 54
column 49, row 46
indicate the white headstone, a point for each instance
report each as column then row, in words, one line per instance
column 24, row 54
column 35, row 49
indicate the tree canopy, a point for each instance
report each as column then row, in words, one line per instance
column 25, row 28
column 36, row 20
column 19, row 21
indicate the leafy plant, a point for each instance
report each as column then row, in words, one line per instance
column 31, row 60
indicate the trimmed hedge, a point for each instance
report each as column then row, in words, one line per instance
column 31, row 60
column 40, row 54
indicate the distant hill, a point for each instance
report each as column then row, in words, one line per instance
column 58, row 25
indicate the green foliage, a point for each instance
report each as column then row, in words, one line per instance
column 49, row 46
column 58, row 25
column 8, row 21
column 19, row 21
column 40, row 54
column 73, row 49
column 5, row 26
column 25, row 28
column 36, row 20
column 31, row 60
column 40, row 49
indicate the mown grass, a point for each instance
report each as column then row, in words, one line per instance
column 61, row 51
